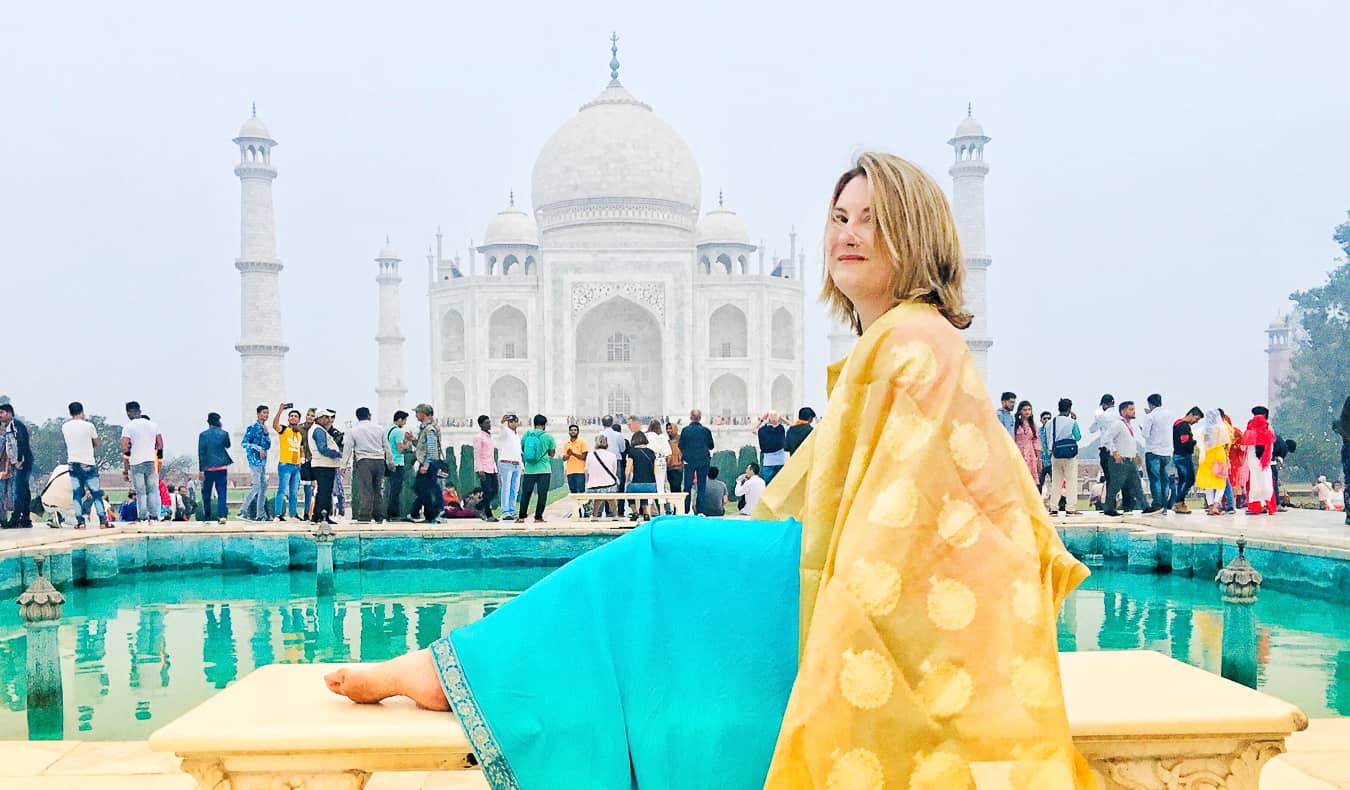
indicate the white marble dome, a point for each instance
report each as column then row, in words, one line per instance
column 255, row 128
column 387, row 252
column 615, row 148
column 722, row 226
column 511, row 226
column 969, row 127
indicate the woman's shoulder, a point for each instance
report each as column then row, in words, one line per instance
column 913, row 344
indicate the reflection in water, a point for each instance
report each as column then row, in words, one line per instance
column 1302, row 649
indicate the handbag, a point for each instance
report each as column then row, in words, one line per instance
column 1062, row 448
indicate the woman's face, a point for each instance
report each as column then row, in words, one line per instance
column 860, row 269
column 1025, row 411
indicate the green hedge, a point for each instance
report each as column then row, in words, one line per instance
column 748, row 455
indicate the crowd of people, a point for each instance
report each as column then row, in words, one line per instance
column 1233, row 468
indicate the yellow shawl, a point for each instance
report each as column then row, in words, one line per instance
column 930, row 581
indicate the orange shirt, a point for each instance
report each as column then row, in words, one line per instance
column 574, row 465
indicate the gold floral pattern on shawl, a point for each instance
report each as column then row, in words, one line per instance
column 910, row 477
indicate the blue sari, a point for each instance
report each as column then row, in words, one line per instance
column 663, row 659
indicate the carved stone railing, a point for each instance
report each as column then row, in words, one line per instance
column 1142, row 720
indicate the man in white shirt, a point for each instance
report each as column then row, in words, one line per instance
column 1103, row 421
column 141, row 446
column 509, row 464
column 1123, row 443
column 81, row 439
column 1157, row 427
column 363, row 449
column 750, row 485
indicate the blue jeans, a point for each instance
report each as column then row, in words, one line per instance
column 145, row 482
column 288, row 486
column 255, row 504
column 695, row 477
column 214, row 480
column 1159, row 486
column 768, row 472
column 1185, row 466
column 84, row 480
column 510, row 479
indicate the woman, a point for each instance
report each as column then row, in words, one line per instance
column 675, row 463
column 656, row 439
column 1235, row 494
column 1342, row 429
column 601, row 476
column 641, row 474
column 1259, row 440
column 1027, row 436
column 786, row 652
column 1211, row 474
column 306, row 462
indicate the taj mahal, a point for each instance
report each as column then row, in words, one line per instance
column 613, row 293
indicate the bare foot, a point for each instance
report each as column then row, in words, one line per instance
column 412, row 675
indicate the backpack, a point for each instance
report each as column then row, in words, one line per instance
column 532, row 448
column 389, row 465
column 1062, row 448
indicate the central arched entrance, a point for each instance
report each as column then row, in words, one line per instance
column 618, row 361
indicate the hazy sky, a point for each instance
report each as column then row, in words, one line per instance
column 1162, row 174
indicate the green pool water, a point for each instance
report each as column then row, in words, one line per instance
column 138, row 653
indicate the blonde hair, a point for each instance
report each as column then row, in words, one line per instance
column 915, row 229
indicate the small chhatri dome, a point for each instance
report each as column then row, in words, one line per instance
column 511, row 226
column 722, row 226
column 388, row 253
column 254, row 127
column 969, row 127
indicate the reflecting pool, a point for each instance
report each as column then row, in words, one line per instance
column 138, row 653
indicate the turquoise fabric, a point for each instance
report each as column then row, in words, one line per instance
column 662, row 660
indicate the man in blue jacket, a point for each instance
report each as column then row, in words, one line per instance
column 696, row 445
column 16, row 458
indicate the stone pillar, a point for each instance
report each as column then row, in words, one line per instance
column 1239, row 583
column 40, row 609
column 968, row 173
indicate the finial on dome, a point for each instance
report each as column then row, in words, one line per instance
column 719, row 198
column 386, row 238
column 255, row 110
column 970, row 109
column 614, row 58
column 512, row 198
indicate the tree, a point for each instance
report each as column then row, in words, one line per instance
column 1319, row 378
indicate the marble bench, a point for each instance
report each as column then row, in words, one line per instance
column 1144, row 722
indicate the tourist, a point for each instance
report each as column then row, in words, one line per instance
column 1336, row 501
column 800, row 429
column 307, row 462
column 397, row 444
column 792, row 678
column 213, row 465
column 1007, row 415
column 537, row 449
column 326, row 460
column 1156, row 427
column 601, row 477
column 165, row 500
column 256, row 444
column 1259, row 440
column 618, row 444
column 127, row 511
column 772, row 436
column 674, row 463
column 108, row 508
column 696, row 446
column 712, row 499
column 1064, row 435
column 1026, row 435
column 290, row 454
column 660, row 444
column 16, row 466
column 1342, row 428
column 81, row 438
column 1103, row 422
column 1046, row 442
column 1235, row 490
column 509, row 464
column 641, row 473
column 574, row 460
column 1322, row 490
column 1183, row 457
column 142, row 445
column 748, row 487
column 454, row 507
column 364, row 449
column 485, row 467
column 1211, row 474
column 429, row 461
column 180, row 503
column 1123, row 442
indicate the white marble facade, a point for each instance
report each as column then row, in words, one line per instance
column 615, row 296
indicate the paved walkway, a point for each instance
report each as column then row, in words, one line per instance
column 1293, row 527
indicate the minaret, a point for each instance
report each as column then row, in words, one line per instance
column 390, row 390
column 968, row 172
column 1282, row 339
column 262, row 351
